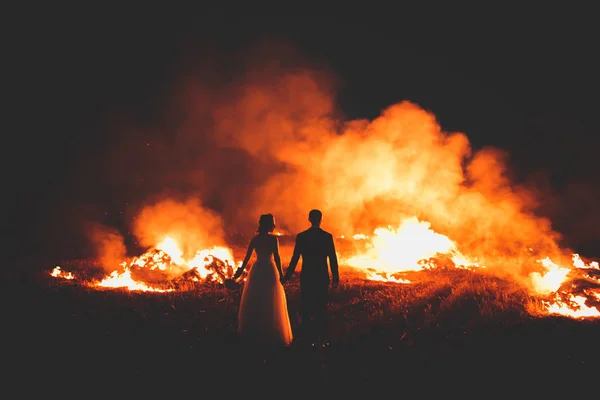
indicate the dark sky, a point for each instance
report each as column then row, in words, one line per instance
column 523, row 80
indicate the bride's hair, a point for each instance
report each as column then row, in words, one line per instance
column 266, row 223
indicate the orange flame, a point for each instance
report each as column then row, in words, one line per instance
column 414, row 246
column 215, row 264
column 576, row 308
column 406, row 248
column 57, row 272
column 552, row 279
column 575, row 305
column 124, row 280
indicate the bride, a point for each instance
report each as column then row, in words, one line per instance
column 263, row 317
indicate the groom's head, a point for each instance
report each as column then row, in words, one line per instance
column 315, row 217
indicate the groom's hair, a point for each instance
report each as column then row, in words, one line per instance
column 315, row 216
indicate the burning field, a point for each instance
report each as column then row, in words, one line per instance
column 399, row 194
column 450, row 324
column 436, row 244
column 389, row 255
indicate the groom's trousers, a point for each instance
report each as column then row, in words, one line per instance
column 314, row 297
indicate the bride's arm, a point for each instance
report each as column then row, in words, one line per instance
column 238, row 273
column 277, row 258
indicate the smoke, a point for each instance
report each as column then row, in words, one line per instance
column 189, row 223
column 108, row 243
column 266, row 135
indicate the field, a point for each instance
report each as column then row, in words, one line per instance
column 448, row 332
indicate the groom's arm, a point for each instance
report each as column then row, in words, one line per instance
column 294, row 261
column 333, row 263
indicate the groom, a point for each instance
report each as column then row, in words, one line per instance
column 317, row 248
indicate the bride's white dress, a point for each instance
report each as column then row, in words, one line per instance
column 263, row 314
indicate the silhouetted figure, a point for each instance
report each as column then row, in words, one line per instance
column 317, row 249
column 263, row 319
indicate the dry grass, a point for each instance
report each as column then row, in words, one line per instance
column 444, row 320
column 449, row 299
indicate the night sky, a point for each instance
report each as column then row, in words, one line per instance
column 525, row 81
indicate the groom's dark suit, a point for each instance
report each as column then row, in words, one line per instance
column 316, row 247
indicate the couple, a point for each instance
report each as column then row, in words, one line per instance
column 263, row 315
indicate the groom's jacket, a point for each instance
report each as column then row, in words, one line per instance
column 315, row 246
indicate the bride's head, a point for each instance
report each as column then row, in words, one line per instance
column 266, row 223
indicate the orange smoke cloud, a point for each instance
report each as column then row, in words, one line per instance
column 191, row 225
column 109, row 245
column 375, row 173
column 282, row 121
column 270, row 139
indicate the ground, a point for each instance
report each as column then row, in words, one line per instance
column 448, row 332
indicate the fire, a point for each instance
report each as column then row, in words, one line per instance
column 578, row 262
column 575, row 307
column 552, row 279
column 167, row 256
column 171, row 247
column 57, row 272
column 410, row 247
column 167, row 260
column 414, row 246
column 368, row 176
column 383, row 256
column 124, row 280
column 571, row 300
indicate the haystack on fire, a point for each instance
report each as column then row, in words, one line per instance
column 400, row 192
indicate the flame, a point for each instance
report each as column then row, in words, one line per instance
column 214, row 264
column 385, row 256
column 564, row 302
column 576, row 309
column 383, row 277
column 578, row 263
column 57, row 272
column 171, row 247
column 124, row 280
column 552, row 279
column 168, row 256
column 414, row 246
column 406, row 248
